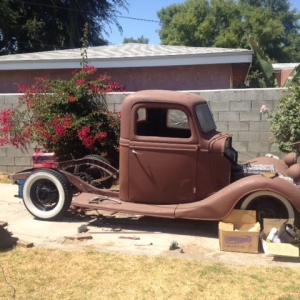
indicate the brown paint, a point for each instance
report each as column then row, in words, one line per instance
column 178, row 173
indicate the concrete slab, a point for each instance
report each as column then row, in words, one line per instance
column 196, row 240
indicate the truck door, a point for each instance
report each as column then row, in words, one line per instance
column 162, row 155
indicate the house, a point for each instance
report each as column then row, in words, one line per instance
column 283, row 71
column 137, row 66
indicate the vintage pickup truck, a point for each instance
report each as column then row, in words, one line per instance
column 173, row 164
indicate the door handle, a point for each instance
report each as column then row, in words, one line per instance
column 135, row 152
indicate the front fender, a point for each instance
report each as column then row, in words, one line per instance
column 219, row 205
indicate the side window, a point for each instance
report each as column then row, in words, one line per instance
column 162, row 122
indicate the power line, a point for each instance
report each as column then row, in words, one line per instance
column 138, row 19
column 84, row 11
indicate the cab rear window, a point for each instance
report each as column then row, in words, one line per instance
column 162, row 122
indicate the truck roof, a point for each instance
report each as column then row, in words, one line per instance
column 184, row 98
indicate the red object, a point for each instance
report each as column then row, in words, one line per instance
column 44, row 160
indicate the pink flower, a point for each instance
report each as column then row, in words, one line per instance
column 80, row 82
column 89, row 69
column 84, row 132
column 71, row 99
column 263, row 109
column 100, row 136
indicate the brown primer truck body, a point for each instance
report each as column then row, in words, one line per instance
column 173, row 164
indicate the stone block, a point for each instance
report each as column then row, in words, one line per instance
column 22, row 161
column 265, row 136
column 222, row 126
column 274, row 94
column 247, row 136
column 260, row 126
column 234, row 125
column 211, row 96
column 3, row 169
column 261, row 146
column 3, row 151
column 240, row 105
column 13, row 152
column 249, row 116
column 241, row 146
column 229, row 116
column 234, row 136
column 12, row 99
column 9, row 161
column 246, row 156
column 231, row 95
column 250, row 94
column 219, row 106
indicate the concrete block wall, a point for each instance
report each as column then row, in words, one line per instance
column 235, row 111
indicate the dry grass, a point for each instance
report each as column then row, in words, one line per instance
column 4, row 178
column 55, row 274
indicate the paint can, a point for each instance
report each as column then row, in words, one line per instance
column 271, row 235
column 287, row 234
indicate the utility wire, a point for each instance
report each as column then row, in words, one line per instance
column 85, row 11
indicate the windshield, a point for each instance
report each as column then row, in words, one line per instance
column 205, row 118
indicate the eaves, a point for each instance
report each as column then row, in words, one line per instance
column 130, row 62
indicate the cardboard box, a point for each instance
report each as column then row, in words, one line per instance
column 234, row 234
column 277, row 249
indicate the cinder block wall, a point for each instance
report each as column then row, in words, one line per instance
column 235, row 111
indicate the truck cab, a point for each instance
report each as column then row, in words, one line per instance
column 170, row 150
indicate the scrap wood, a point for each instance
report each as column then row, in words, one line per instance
column 3, row 223
column 22, row 243
column 123, row 232
column 68, row 238
column 112, row 229
column 84, row 236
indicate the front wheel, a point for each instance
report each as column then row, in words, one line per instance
column 47, row 194
column 268, row 205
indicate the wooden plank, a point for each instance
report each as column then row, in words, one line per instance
column 3, row 223
column 22, row 243
column 84, row 236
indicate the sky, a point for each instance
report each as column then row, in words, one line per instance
column 146, row 10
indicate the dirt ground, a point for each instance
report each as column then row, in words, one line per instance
column 133, row 235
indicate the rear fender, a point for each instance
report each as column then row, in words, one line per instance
column 220, row 204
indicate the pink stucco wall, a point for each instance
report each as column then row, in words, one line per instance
column 282, row 76
column 173, row 78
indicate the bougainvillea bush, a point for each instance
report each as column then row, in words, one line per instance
column 68, row 117
column 285, row 119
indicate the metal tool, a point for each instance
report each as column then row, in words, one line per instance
column 150, row 244
column 129, row 237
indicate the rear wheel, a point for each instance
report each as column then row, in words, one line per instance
column 269, row 205
column 47, row 194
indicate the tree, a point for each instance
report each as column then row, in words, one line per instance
column 285, row 119
column 140, row 40
column 228, row 24
column 68, row 117
column 266, row 67
column 31, row 26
